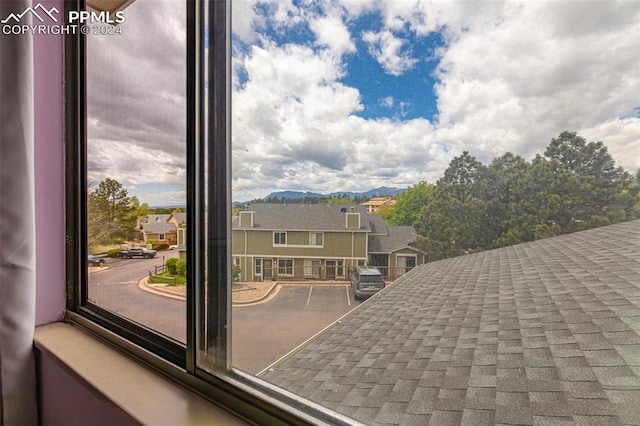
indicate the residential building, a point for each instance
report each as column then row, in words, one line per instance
column 160, row 227
column 378, row 203
column 318, row 242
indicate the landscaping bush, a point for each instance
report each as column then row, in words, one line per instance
column 160, row 246
column 113, row 252
column 181, row 267
column 235, row 272
column 171, row 266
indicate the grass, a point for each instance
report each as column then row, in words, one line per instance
column 166, row 278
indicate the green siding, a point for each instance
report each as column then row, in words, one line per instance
column 336, row 244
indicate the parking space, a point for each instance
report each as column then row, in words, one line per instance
column 264, row 333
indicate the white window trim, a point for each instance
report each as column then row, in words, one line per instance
column 311, row 234
column 407, row 255
column 273, row 240
column 285, row 267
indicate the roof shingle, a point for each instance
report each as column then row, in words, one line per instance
column 546, row 332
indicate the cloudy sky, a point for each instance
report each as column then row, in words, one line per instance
column 354, row 94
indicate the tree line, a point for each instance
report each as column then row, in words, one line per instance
column 574, row 185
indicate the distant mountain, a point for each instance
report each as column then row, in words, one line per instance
column 382, row 191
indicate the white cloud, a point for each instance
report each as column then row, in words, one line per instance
column 332, row 32
column 388, row 51
column 511, row 77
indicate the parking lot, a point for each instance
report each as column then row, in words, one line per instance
column 261, row 333
column 264, row 333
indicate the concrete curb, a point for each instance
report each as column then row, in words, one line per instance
column 259, row 299
column 144, row 285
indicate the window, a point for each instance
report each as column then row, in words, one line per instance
column 316, row 238
column 161, row 237
column 184, row 116
column 285, row 267
column 279, row 238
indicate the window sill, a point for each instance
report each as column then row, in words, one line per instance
column 140, row 393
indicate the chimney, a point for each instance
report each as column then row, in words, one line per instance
column 353, row 220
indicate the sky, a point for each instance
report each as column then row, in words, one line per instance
column 349, row 95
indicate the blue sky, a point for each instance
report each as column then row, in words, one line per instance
column 354, row 94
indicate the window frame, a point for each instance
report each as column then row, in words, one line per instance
column 279, row 235
column 314, row 241
column 245, row 395
column 288, row 269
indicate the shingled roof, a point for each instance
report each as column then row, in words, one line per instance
column 397, row 237
column 546, row 332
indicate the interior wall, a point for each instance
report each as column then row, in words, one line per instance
column 49, row 172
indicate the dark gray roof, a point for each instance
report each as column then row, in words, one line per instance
column 157, row 218
column 378, row 225
column 546, row 332
column 398, row 237
column 159, row 228
column 314, row 217
column 179, row 217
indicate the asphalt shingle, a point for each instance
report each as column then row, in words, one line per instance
column 546, row 332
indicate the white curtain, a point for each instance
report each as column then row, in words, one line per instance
column 17, row 225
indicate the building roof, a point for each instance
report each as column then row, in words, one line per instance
column 179, row 217
column 307, row 217
column 159, row 228
column 397, row 237
column 538, row 333
column 379, row 201
column 157, row 218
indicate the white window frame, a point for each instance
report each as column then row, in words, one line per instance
column 313, row 239
column 288, row 270
column 161, row 237
column 281, row 234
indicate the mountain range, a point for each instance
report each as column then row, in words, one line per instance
column 376, row 192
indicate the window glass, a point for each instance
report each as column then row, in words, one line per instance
column 136, row 110
column 315, row 238
column 280, row 238
column 379, row 133
column 396, row 133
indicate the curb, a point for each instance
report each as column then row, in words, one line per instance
column 144, row 285
column 259, row 299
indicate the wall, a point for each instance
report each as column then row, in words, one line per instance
column 49, row 173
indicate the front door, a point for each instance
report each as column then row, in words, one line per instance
column 267, row 269
column 331, row 269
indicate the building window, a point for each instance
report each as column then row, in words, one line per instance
column 279, row 238
column 316, row 238
column 285, row 267
column 160, row 237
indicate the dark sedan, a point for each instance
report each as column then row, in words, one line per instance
column 95, row 260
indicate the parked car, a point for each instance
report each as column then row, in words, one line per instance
column 137, row 252
column 173, row 247
column 95, row 260
column 366, row 281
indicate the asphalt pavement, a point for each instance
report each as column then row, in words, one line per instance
column 261, row 333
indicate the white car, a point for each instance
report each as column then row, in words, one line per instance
column 173, row 247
